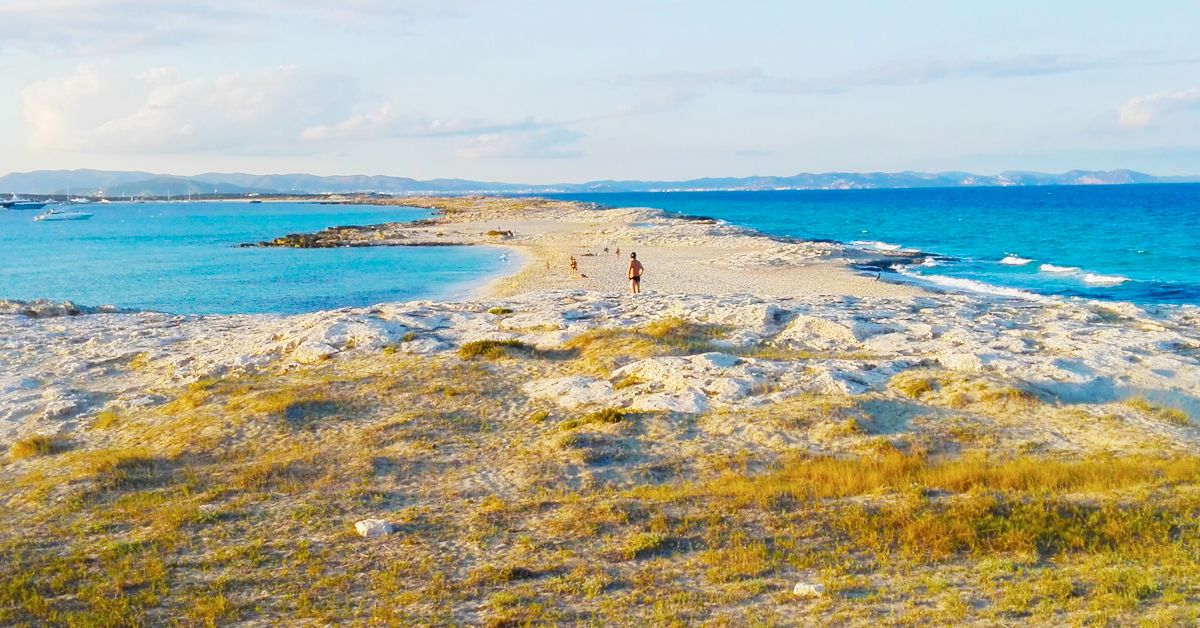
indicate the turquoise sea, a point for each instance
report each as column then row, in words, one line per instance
column 182, row 258
column 1138, row 243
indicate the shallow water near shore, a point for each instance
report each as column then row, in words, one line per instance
column 183, row 258
column 1130, row 242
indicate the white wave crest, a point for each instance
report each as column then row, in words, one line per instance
column 877, row 245
column 1013, row 260
column 970, row 285
column 1104, row 280
column 1051, row 268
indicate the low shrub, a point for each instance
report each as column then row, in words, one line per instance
column 39, row 445
column 493, row 349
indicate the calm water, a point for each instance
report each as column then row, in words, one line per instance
column 180, row 257
column 1137, row 243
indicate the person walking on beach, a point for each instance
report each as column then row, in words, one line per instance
column 574, row 266
column 635, row 274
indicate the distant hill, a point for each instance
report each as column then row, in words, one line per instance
column 116, row 184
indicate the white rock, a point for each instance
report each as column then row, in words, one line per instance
column 311, row 352
column 818, row 332
column 690, row 401
column 808, row 589
column 371, row 528
column 960, row 361
column 572, row 391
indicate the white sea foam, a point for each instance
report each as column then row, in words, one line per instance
column 1051, row 268
column 1104, row 280
column 877, row 245
column 1013, row 260
column 970, row 285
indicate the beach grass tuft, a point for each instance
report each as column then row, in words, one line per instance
column 38, row 445
column 494, row 349
column 1173, row 416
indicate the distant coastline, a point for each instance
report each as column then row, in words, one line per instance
column 125, row 184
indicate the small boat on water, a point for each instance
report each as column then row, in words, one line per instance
column 21, row 203
column 59, row 214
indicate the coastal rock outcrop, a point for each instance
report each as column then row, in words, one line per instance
column 757, row 350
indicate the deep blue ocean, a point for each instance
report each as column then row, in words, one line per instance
column 182, row 258
column 1138, row 243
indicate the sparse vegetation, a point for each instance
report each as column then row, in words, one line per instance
column 912, row 386
column 606, row 415
column 499, row 311
column 641, row 544
column 40, row 445
column 507, row 515
column 627, row 382
column 1173, row 416
column 106, row 419
column 493, row 349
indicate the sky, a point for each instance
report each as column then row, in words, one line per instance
column 545, row 91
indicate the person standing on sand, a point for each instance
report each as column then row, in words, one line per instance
column 574, row 265
column 635, row 274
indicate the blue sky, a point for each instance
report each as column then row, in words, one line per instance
column 545, row 91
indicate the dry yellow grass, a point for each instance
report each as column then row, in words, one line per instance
column 40, row 445
column 192, row 508
column 1174, row 416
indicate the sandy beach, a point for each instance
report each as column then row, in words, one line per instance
column 682, row 256
column 555, row 449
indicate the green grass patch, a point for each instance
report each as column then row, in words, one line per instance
column 494, row 349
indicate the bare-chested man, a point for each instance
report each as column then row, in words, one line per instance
column 635, row 274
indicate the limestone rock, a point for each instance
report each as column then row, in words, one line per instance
column 572, row 391
column 818, row 332
column 312, row 352
column 372, row 528
column 689, row 401
column 960, row 361
column 808, row 590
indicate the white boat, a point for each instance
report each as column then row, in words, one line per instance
column 59, row 214
column 79, row 200
column 21, row 203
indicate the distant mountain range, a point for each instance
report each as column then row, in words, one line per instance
column 120, row 184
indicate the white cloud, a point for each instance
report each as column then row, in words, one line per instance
column 285, row 110
column 529, row 138
column 554, row 142
column 1140, row 111
column 98, row 27
column 161, row 111
column 912, row 72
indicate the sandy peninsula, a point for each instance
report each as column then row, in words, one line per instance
column 769, row 435
column 683, row 255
